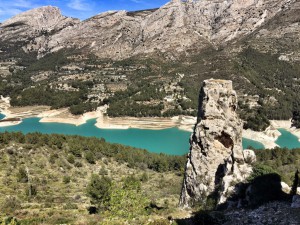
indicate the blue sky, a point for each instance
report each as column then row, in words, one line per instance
column 81, row 9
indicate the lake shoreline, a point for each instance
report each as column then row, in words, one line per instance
column 185, row 123
column 63, row 115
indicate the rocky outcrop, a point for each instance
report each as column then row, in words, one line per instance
column 36, row 28
column 179, row 27
column 216, row 163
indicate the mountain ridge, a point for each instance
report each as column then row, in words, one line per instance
column 136, row 61
column 175, row 28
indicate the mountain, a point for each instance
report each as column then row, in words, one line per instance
column 176, row 28
column 151, row 62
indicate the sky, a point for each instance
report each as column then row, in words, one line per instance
column 81, row 9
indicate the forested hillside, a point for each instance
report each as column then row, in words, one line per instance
column 55, row 179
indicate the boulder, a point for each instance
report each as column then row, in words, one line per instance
column 285, row 188
column 249, row 156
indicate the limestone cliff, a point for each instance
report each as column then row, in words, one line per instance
column 179, row 27
column 216, row 162
column 35, row 29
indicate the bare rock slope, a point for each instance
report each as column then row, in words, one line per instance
column 35, row 28
column 216, row 162
column 179, row 27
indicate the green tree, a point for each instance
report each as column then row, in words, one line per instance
column 99, row 189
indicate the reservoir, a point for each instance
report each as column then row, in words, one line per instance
column 169, row 141
column 287, row 140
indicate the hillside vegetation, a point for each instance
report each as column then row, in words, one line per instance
column 140, row 87
column 58, row 179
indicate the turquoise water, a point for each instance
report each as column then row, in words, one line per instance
column 287, row 140
column 2, row 116
column 248, row 143
column 170, row 141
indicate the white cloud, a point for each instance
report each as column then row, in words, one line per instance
column 79, row 5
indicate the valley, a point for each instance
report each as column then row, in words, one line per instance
column 43, row 67
column 185, row 114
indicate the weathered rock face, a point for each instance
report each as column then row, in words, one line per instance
column 179, row 27
column 36, row 28
column 216, row 162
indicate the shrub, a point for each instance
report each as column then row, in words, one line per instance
column 10, row 205
column 66, row 179
column 260, row 170
column 53, row 158
column 31, row 191
column 71, row 159
column 90, row 157
column 128, row 201
column 22, row 175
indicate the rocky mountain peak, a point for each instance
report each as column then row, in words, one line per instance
column 33, row 24
column 39, row 18
column 216, row 162
column 177, row 28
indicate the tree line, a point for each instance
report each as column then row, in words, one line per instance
column 94, row 148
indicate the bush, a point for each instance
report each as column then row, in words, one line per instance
column 90, row 157
column 10, row 205
column 31, row 191
column 66, row 179
column 71, row 159
column 53, row 158
column 260, row 170
column 128, row 201
column 22, row 175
